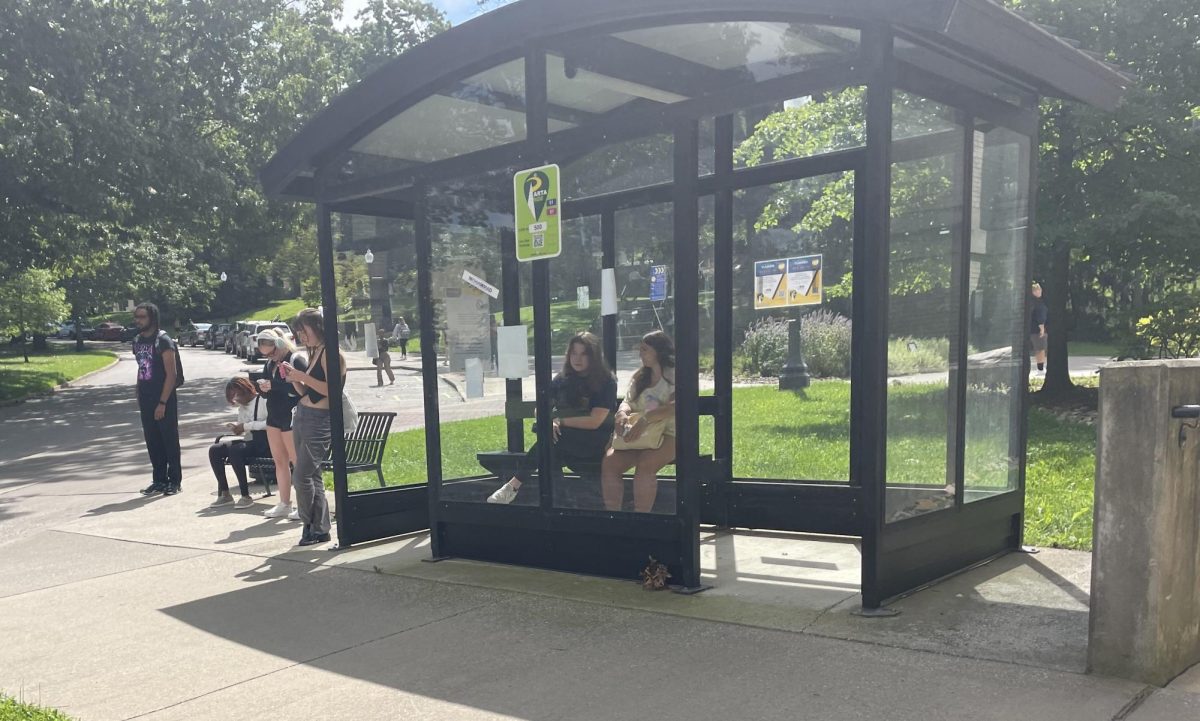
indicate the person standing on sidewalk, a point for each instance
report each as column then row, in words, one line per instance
column 310, row 426
column 158, row 376
column 282, row 398
column 1037, row 328
column 383, row 363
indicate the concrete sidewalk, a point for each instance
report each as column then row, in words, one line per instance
column 163, row 609
column 114, row 606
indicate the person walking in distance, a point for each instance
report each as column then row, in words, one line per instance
column 401, row 334
column 158, row 376
column 1037, row 328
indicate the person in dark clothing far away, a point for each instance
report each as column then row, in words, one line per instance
column 157, row 379
column 1037, row 328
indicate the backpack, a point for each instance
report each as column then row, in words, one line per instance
column 178, row 359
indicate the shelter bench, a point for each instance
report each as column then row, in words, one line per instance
column 364, row 451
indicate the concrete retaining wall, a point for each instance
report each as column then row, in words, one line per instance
column 1145, row 611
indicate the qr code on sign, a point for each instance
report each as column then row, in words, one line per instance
column 539, row 240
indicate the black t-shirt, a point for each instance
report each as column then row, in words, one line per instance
column 571, row 397
column 151, row 373
column 1038, row 316
column 283, row 396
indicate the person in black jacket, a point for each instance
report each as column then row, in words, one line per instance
column 282, row 398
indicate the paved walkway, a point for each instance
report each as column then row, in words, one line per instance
column 113, row 606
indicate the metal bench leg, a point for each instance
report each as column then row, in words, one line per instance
column 379, row 472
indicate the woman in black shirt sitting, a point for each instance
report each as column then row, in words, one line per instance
column 584, row 396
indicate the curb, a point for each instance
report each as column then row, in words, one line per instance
column 59, row 387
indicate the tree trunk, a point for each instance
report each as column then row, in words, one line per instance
column 78, row 336
column 1058, row 374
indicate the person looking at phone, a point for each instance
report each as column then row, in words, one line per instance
column 310, row 424
column 251, row 425
column 282, row 398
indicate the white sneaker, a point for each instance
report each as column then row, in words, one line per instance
column 294, row 515
column 244, row 502
column 279, row 509
column 223, row 499
column 503, row 494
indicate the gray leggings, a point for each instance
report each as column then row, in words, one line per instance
column 310, row 431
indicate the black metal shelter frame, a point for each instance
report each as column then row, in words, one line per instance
column 986, row 64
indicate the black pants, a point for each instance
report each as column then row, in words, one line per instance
column 236, row 451
column 162, row 439
column 574, row 445
column 403, row 346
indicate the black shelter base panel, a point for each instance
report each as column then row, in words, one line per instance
column 617, row 546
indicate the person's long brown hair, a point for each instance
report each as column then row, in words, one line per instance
column 664, row 348
column 314, row 323
column 598, row 373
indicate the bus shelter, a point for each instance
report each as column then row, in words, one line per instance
column 727, row 173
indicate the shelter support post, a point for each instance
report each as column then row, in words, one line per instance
column 687, row 345
column 870, row 394
column 333, row 361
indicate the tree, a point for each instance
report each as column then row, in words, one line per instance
column 1116, row 221
column 29, row 301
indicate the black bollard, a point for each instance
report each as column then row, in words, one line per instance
column 794, row 374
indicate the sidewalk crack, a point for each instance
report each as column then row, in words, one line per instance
column 1134, row 703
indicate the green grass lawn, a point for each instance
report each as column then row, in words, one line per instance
column 14, row 710
column 45, row 370
column 785, row 436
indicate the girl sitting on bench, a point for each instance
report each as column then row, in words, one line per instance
column 584, row 395
column 645, row 427
column 252, row 425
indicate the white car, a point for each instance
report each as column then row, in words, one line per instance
column 250, row 349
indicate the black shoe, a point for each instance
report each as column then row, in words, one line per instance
column 172, row 490
column 315, row 539
column 152, row 489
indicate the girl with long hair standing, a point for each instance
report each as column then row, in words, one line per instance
column 310, row 425
column 282, row 398
column 650, row 400
column 584, row 395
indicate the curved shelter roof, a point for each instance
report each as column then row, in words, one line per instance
column 979, row 33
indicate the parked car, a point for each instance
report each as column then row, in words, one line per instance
column 130, row 331
column 231, row 339
column 109, row 331
column 217, row 334
column 250, row 352
column 67, row 330
column 194, row 334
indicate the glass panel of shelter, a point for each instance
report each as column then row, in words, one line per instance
column 996, row 320
column 467, row 221
column 925, row 259
column 380, row 294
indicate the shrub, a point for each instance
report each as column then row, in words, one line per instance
column 826, row 344
column 1172, row 328
column 918, row 355
column 824, row 337
column 764, row 349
